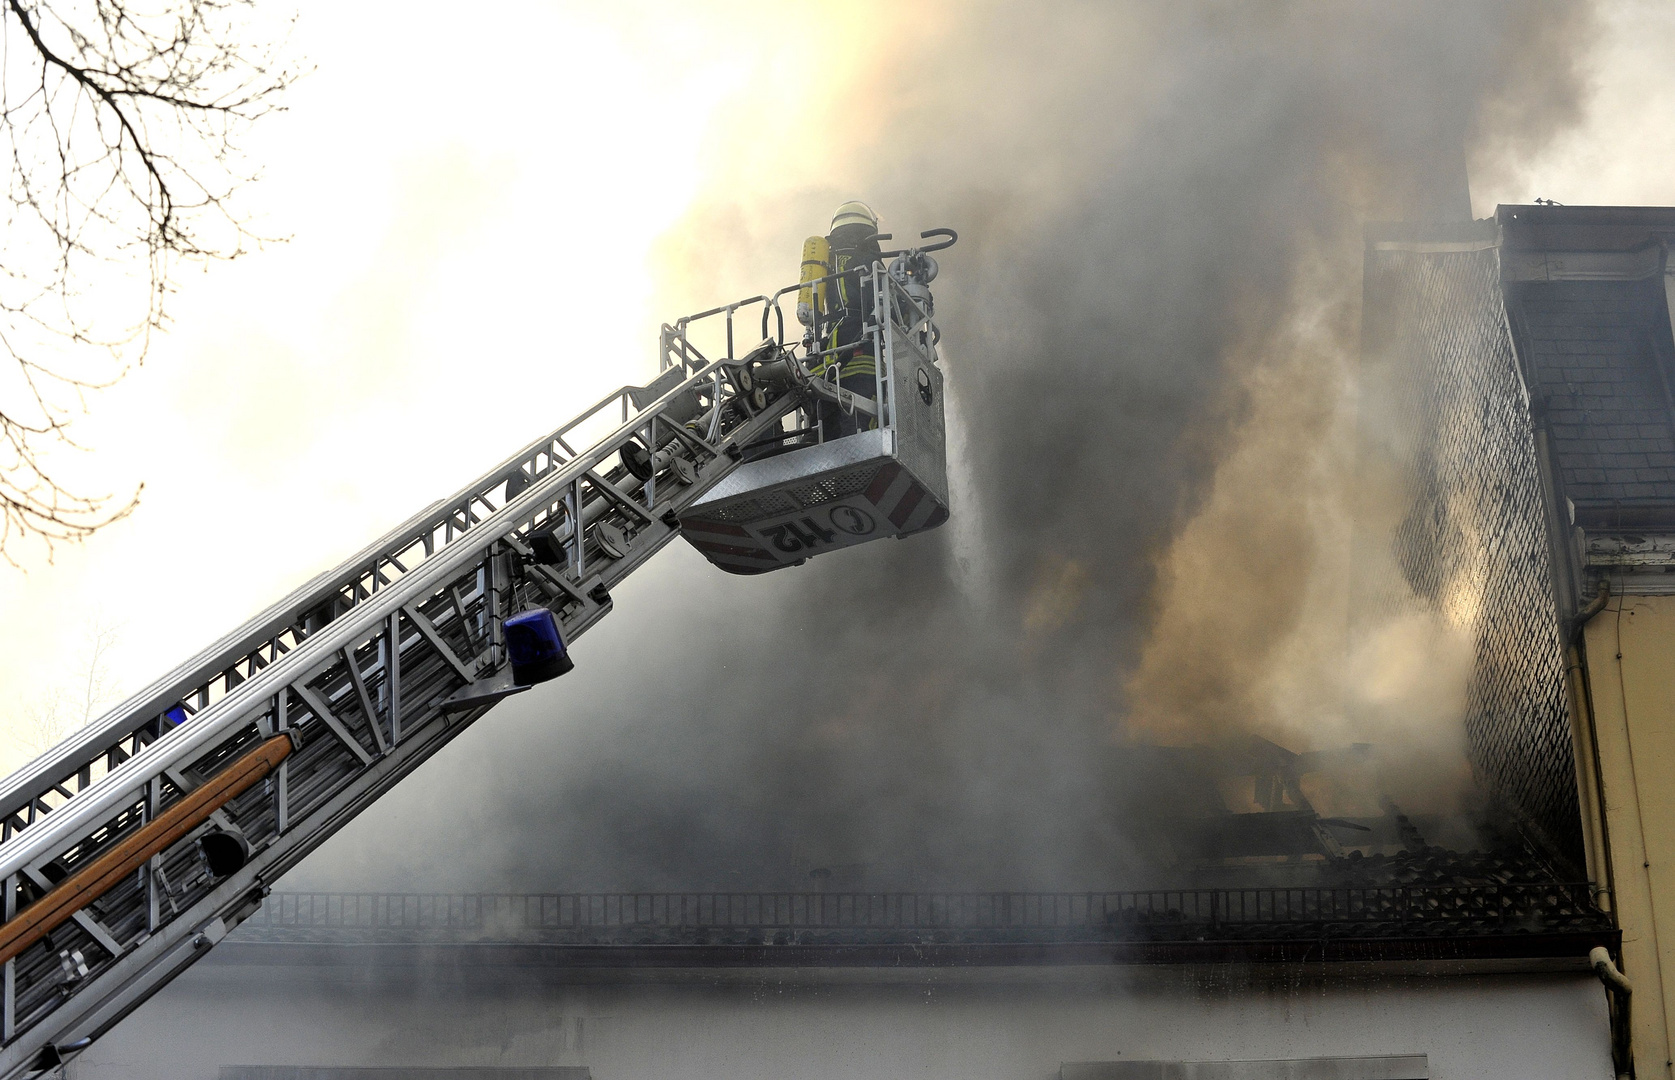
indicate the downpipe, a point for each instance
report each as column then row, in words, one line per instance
column 1592, row 608
column 1619, row 989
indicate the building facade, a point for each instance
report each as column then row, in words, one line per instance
column 1391, row 984
column 1555, row 324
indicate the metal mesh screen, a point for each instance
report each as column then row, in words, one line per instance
column 755, row 509
column 1437, row 910
column 1473, row 544
column 834, row 487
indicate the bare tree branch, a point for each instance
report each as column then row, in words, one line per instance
column 66, row 709
column 121, row 118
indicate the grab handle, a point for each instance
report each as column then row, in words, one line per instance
column 926, row 235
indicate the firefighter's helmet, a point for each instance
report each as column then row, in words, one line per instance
column 855, row 212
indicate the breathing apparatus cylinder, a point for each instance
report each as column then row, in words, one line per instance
column 811, row 298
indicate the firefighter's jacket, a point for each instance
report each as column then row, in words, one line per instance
column 850, row 298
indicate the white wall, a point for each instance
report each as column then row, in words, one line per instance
column 774, row 1024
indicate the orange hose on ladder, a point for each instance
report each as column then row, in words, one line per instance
column 92, row 881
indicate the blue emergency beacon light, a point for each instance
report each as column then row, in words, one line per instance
column 536, row 648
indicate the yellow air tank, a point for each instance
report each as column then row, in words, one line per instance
column 811, row 298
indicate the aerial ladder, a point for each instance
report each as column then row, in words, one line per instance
column 139, row 842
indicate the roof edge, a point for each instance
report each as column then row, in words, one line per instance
column 1553, row 951
column 1435, row 236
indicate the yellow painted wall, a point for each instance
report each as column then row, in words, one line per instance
column 1630, row 681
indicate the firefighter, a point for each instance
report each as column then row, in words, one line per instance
column 839, row 316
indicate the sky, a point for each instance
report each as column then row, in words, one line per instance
column 485, row 220
column 465, row 262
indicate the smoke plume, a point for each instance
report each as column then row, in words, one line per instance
column 1152, row 324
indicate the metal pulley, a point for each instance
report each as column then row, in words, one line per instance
column 751, row 401
column 611, row 540
column 225, row 850
column 642, row 465
column 638, row 461
column 750, row 397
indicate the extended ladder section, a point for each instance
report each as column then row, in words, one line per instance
column 142, row 840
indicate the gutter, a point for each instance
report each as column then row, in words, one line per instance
column 1548, row 952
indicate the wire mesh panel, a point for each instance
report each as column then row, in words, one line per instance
column 1192, row 914
column 1448, row 405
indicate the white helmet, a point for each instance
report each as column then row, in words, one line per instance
column 855, row 212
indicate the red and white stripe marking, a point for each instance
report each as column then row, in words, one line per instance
column 894, row 501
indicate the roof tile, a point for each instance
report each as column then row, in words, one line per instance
column 1588, row 347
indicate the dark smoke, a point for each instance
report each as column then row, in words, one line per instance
column 1149, row 196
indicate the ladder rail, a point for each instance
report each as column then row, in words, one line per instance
column 60, row 767
column 370, row 669
column 200, row 732
column 368, row 694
